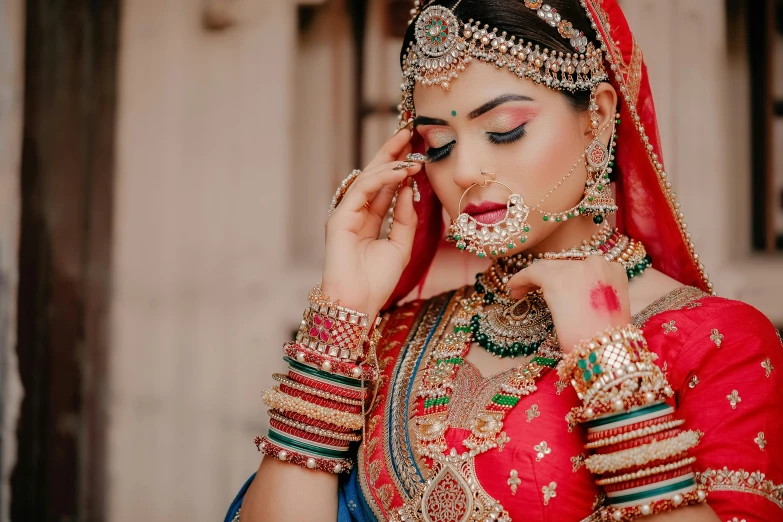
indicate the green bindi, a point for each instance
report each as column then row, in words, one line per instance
column 453, row 113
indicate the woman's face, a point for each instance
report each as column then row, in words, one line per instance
column 493, row 121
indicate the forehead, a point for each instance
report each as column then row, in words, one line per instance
column 477, row 84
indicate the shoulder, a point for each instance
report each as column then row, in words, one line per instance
column 697, row 312
column 710, row 330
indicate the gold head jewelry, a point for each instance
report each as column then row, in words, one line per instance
column 444, row 45
column 498, row 238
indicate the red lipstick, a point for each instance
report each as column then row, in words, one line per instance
column 487, row 212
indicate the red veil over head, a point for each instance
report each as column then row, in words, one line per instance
column 647, row 207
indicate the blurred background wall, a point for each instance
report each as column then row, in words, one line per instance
column 163, row 189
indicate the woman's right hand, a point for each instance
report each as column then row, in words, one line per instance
column 360, row 270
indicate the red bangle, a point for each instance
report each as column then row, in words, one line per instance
column 320, row 400
column 354, row 394
column 320, row 439
column 593, row 436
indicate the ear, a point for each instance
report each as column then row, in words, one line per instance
column 606, row 99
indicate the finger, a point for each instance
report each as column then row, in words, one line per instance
column 405, row 221
column 407, row 149
column 367, row 189
column 379, row 206
column 528, row 279
column 391, row 150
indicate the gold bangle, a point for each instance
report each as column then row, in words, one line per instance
column 278, row 400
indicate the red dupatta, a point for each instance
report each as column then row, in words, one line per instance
column 647, row 206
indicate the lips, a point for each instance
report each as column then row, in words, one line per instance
column 487, row 212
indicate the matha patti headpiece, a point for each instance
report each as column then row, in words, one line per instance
column 444, row 45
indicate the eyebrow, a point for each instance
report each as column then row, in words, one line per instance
column 500, row 100
column 425, row 120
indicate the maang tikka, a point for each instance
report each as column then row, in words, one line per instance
column 494, row 239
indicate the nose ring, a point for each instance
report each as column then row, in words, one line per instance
column 488, row 178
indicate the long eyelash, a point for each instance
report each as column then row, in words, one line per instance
column 511, row 136
column 438, row 154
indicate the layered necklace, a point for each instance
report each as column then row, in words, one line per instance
column 509, row 327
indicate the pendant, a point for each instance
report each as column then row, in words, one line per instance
column 597, row 155
column 511, row 331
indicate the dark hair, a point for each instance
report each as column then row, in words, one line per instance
column 517, row 20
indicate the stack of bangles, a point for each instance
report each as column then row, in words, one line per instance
column 640, row 456
column 317, row 408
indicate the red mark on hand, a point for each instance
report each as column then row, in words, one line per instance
column 604, row 297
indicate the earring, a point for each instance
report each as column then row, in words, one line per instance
column 598, row 200
column 484, row 239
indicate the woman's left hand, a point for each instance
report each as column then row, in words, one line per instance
column 585, row 297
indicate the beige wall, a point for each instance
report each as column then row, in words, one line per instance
column 11, row 111
column 204, row 290
column 228, row 148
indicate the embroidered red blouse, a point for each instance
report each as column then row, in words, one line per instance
column 722, row 358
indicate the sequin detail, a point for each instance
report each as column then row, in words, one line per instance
column 734, row 398
column 549, row 492
column 669, row 327
column 514, row 481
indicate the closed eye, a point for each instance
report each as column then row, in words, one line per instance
column 437, row 154
column 511, row 136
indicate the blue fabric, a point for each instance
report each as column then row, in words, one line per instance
column 237, row 503
column 351, row 506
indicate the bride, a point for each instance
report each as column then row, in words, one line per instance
column 589, row 373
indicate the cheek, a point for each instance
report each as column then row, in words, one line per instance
column 544, row 158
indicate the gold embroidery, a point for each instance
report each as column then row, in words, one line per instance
column 691, row 306
column 373, row 445
column 471, row 392
column 743, row 482
column 375, row 471
column 767, row 365
column 734, row 398
column 560, row 385
column 532, row 412
column 373, row 423
column 760, row 440
column 669, row 327
column 549, row 492
column 385, row 361
column 386, row 494
column 682, row 297
column 577, row 462
column 404, row 471
column 693, row 382
column 634, row 73
column 542, row 450
column 716, row 337
column 514, row 481
column 397, row 329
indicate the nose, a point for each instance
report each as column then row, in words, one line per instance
column 467, row 172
